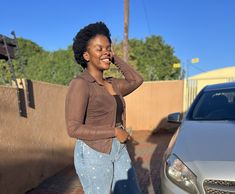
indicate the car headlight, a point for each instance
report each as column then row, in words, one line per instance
column 180, row 174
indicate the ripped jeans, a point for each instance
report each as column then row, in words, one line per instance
column 102, row 173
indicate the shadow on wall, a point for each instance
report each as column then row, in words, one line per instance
column 30, row 94
column 39, row 165
column 25, row 93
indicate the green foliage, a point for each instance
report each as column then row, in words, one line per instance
column 153, row 58
column 37, row 64
column 4, row 73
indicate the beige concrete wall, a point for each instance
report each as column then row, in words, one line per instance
column 36, row 147
column 149, row 105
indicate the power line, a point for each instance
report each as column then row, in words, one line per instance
column 146, row 17
column 199, row 69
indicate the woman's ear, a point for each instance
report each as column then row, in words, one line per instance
column 86, row 56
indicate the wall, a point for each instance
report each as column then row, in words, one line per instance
column 149, row 105
column 36, row 147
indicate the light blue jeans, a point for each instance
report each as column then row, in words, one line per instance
column 101, row 173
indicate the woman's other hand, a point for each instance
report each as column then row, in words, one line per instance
column 121, row 135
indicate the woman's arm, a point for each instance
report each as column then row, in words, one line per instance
column 75, row 109
column 132, row 78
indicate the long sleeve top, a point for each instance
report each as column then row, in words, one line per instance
column 90, row 110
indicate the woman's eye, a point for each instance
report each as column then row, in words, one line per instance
column 101, row 49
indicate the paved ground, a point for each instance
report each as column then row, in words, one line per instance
column 146, row 153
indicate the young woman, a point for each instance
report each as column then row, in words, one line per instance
column 95, row 115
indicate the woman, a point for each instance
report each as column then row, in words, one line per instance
column 95, row 115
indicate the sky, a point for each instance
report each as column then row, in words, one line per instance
column 203, row 29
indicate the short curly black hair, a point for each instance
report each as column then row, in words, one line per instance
column 82, row 38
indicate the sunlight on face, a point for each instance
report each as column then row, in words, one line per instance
column 99, row 52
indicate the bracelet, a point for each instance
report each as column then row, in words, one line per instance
column 120, row 126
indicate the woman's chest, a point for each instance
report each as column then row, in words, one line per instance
column 102, row 101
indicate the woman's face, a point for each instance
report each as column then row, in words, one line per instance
column 98, row 54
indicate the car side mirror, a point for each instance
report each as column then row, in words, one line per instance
column 174, row 118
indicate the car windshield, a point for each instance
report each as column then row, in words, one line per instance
column 215, row 105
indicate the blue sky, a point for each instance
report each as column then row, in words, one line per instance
column 194, row 28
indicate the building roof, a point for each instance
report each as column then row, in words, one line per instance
column 217, row 73
column 227, row 85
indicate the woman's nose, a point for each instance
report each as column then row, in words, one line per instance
column 107, row 52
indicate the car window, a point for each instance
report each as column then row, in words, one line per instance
column 215, row 105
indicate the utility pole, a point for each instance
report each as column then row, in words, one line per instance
column 126, row 27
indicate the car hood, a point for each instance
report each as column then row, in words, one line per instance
column 207, row 148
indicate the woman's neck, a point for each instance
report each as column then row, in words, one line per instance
column 98, row 75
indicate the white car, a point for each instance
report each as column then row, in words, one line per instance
column 200, row 158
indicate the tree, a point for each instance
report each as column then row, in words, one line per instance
column 54, row 67
column 154, row 58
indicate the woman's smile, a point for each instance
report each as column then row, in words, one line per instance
column 106, row 60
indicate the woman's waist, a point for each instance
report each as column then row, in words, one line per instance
column 101, row 118
column 104, row 122
column 101, row 145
